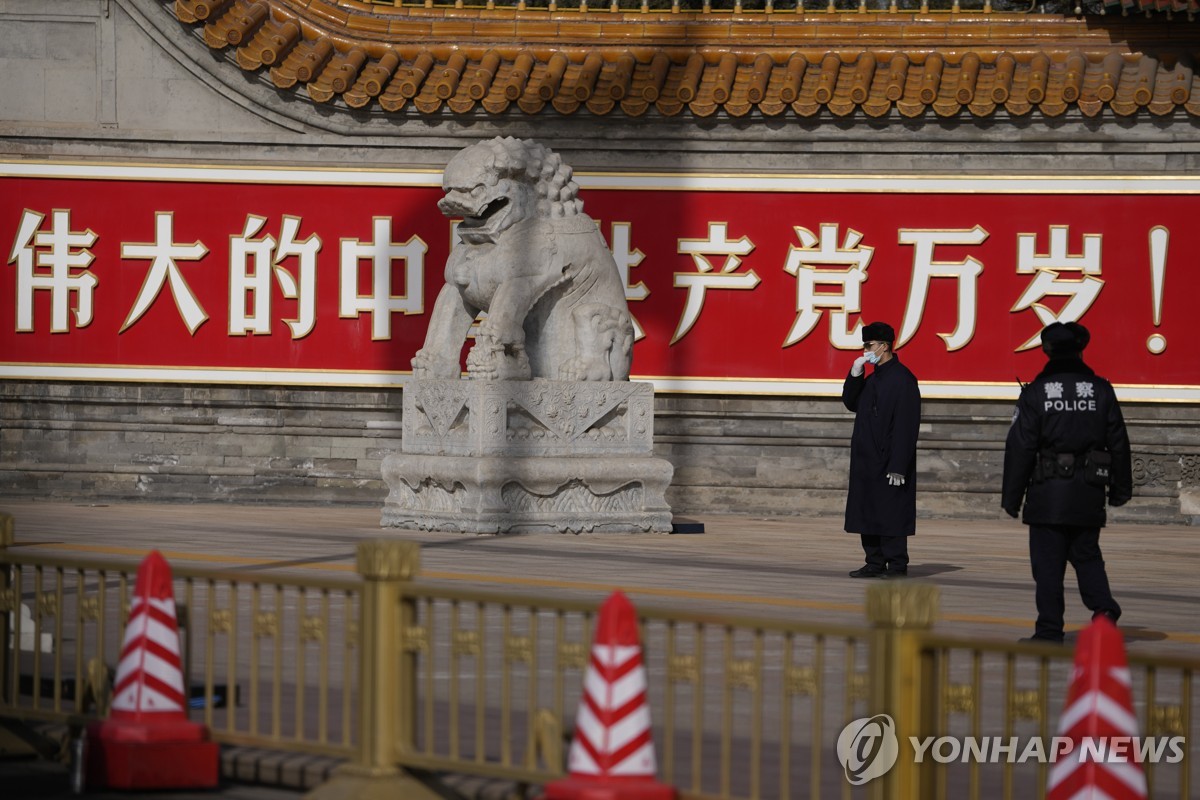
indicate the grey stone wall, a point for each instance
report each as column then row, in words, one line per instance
column 791, row 456
column 97, row 442
column 84, row 441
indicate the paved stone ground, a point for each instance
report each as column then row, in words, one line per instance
column 783, row 566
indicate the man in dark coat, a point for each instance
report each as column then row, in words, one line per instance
column 881, row 505
column 1066, row 449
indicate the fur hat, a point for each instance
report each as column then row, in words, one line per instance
column 1062, row 340
column 878, row 332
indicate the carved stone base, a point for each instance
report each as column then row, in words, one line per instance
column 528, row 418
column 509, row 456
column 493, row 494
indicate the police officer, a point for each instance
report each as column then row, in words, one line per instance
column 881, row 504
column 1067, row 448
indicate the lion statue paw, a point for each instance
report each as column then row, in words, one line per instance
column 431, row 366
column 489, row 360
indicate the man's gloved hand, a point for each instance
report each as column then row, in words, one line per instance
column 1012, row 512
column 1115, row 502
column 860, row 364
column 895, row 479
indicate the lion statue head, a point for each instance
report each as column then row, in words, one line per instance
column 497, row 184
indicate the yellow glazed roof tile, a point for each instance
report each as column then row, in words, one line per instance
column 430, row 60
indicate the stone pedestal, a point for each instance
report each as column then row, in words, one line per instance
column 509, row 456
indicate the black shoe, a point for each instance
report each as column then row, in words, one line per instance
column 894, row 574
column 1105, row 613
column 867, row 572
column 1035, row 639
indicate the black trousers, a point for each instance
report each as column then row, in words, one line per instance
column 886, row 552
column 1050, row 548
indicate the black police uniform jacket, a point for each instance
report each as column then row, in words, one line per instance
column 1067, row 409
column 887, row 419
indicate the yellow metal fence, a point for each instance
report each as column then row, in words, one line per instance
column 396, row 674
column 741, row 705
column 974, row 689
column 268, row 660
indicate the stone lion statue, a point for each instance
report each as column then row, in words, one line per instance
column 530, row 258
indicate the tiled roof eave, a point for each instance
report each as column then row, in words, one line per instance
column 502, row 61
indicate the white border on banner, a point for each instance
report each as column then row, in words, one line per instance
column 975, row 184
column 649, row 181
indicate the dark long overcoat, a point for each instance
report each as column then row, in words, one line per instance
column 887, row 419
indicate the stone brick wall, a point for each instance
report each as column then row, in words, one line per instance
column 791, row 456
column 736, row 454
column 185, row 443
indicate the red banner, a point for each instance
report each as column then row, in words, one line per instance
column 737, row 284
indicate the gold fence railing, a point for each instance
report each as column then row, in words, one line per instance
column 268, row 660
column 980, row 689
column 396, row 674
column 740, row 705
column 745, row 707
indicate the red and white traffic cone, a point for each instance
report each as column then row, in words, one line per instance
column 612, row 754
column 147, row 742
column 1099, row 721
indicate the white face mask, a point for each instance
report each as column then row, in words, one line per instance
column 871, row 356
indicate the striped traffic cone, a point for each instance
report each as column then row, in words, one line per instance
column 1099, row 722
column 147, row 742
column 612, row 754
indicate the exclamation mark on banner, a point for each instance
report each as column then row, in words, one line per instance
column 1159, row 236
